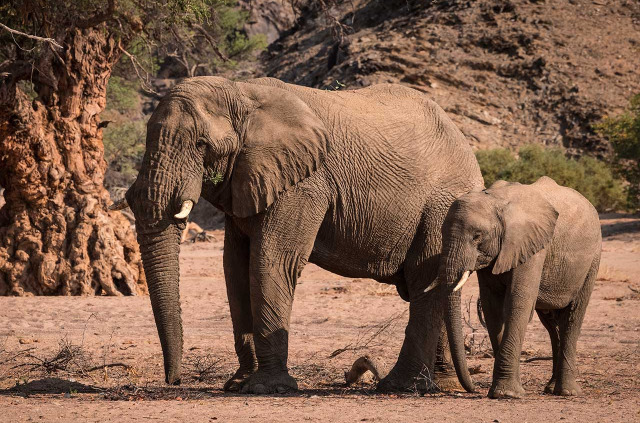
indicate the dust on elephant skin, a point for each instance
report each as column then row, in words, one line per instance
column 535, row 247
column 356, row 181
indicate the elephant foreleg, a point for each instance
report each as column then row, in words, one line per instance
column 279, row 250
column 236, row 273
column 521, row 296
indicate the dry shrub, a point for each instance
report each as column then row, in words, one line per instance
column 206, row 368
column 476, row 342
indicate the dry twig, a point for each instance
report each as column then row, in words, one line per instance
column 364, row 341
column 49, row 41
column 139, row 69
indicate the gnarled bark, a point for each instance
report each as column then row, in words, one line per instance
column 56, row 235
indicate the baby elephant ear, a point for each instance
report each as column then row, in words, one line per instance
column 529, row 221
column 284, row 142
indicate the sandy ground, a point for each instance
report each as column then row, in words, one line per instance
column 53, row 353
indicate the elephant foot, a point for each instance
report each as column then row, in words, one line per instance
column 506, row 389
column 567, row 388
column 262, row 383
column 399, row 383
column 237, row 380
column 550, row 387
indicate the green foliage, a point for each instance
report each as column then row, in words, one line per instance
column 623, row 131
column 493, row 163
column 124, row 137
column 124, row 145
column 203, row 36
column 591, row 177
column 122, row 95
column 227, row 27
column 212, row 177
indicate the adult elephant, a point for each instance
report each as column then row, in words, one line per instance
column 357, row 182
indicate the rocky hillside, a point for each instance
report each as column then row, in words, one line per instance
column 509, row 72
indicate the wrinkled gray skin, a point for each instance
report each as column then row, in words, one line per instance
column 358, row 182
column 535, row 247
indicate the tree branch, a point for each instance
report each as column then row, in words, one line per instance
column 210, row 40
column 98, row 18
column 144, row 80
column 49, row 41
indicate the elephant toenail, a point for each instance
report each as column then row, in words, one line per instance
column 259, row 388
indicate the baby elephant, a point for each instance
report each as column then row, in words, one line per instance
column 535, row 247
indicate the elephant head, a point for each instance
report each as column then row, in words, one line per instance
column 237, row 144
column 501, row 227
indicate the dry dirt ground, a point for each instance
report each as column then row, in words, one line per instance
column 54, row 351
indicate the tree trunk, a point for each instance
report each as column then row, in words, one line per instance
column 56, row 235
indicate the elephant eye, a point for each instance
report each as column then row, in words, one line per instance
column 200, row 143
column 477, row 236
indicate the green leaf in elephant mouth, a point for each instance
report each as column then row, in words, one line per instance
column 212, row 177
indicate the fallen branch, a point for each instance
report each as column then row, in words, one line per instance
column 529, row 360
column 104, row 366
column 16, row 355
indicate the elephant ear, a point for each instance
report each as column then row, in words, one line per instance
column 529, row 221
column 284, row 142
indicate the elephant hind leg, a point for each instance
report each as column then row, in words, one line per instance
column 570, row 324
column 549, row 320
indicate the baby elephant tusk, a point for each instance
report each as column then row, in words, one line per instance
column 184, row 210
column 432, row 286
column 119, row 205
column 463, row 280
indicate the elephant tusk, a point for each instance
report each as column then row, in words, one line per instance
column 463, row 280
column 184, row 210
column 432, row 286
column 119, row 205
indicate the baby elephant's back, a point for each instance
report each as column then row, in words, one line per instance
column 576, row 244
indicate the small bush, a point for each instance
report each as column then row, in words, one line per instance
column 493, row 163
column 124, row 137
column 122, row 95
column 591, row 177
column 623, row 131
column 234, row 42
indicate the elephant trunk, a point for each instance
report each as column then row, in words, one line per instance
column 453, row 320
column 160, row 252
column 456, row 261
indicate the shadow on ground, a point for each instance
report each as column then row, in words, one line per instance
column 49, row 385
column 618, row 224
column 57, row 386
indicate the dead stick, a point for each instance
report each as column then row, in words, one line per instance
column 50, row 41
